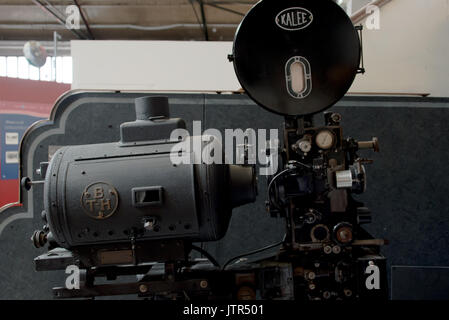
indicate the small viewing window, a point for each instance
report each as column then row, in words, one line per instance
column 147, row 196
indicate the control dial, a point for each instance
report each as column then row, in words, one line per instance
column 325, row 139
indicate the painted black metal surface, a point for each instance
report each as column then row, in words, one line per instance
column 317, row 35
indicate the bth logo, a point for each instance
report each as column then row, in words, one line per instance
column 292, row 19
column 99, row 200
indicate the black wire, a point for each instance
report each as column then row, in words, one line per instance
column 253, row 252
column 206, row 254
column 196, row 15
column 280, row 174
column 270, row 201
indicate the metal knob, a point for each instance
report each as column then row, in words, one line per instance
column 373, row 144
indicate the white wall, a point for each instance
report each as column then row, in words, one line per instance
column 409, row 54
column 153, row 66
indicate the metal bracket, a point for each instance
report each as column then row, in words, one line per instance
column 361, row 68
column 142, row 289
column 56, row 259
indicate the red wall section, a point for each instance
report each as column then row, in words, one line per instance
column 23, row 102
column 12, row 89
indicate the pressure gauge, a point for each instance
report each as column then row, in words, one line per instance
column 325, row 139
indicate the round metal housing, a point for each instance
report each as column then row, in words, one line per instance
column 296, row 57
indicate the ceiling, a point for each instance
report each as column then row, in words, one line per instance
column 122, row 19
column 24, row 20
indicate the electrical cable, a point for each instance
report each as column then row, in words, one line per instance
column 206, row 254
column 270, row 185
column 269, row 199
column 253, row 252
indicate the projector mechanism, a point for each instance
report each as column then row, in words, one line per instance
column 125, row 209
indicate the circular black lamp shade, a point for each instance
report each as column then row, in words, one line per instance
column 296, row 57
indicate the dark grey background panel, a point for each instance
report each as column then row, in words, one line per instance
column 407, row 184
column 251, row 226
column 419, row 283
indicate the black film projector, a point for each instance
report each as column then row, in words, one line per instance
column 293, row 57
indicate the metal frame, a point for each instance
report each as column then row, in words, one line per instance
column 91, row 35
column 203, row 17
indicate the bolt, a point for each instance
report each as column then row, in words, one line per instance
column 336, row 249
column 143, row 288
column 203, row 284
column 149, row 225
column 327, row 249
column 311, row 275
column 336, row 117
column 348, row 292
